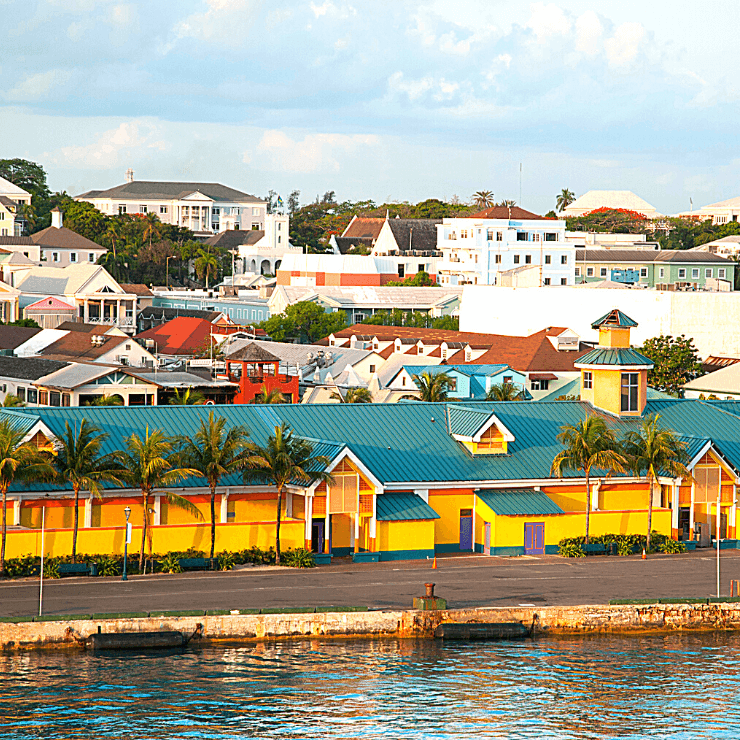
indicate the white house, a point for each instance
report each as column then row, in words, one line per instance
column 480, row 249
column 594, row 199
column 723, row 212
column 12, row 198
column 203, row 207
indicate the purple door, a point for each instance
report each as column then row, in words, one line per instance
column 534, row 538
column 466, row 529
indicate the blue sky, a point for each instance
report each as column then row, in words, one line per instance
column 381, row 99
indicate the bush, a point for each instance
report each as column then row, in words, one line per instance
column 226, row 560
column 51, row 567
column 109, row 565
column 170, row 563
column 572, row 550
column 299, row 558
column 629, row 544
column 673, row 547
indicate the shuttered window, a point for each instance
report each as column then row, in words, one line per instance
column 707, row 484
column 343, row 494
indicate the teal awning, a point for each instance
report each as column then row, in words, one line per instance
column 400, row 507
column 518, row 502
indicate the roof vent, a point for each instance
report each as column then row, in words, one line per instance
column 129, row 175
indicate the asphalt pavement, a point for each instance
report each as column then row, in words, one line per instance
column 465, row 581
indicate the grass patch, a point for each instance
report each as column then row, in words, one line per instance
column 321, row 609
column 12, row 620
column 684, row 601
column 632, row 602
column 121, row 615
column 184, row 613
column 60, row 617
column 289, row 610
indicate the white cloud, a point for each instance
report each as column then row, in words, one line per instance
column 623, row 47
column 548, row 20
column 314, row 153
column 440, row 89
column 109, row 147
column 38, row 86
column 225, row 21
column 589, row 31
column 124, row 14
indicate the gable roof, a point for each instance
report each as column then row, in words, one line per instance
column 78, row 345
column 153, row 190
column 162, row 313
column 649, row 256
column 616, row 319
column 50, row 303
column 415, row 234
column 182, row 335
column 64, row 238
column 28, row 368
column 347, row 243
column 509, row 213
column 136, row 289
column 253, row 353
column 58, row 280
column 364, row 227
column 9, row 188
column 12, row 337
column 234, row 238
column 518, row 502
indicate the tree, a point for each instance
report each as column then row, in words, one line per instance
column 507, row 203
column 305, row 321
column 114, row 400
column 616, row 220
column 151, row 227
column 287, row 459
column 77, row 461
column 504, row 392
column 19, row 463
column 27, row 175
column 588, row 444
column 676, row 361
column 11, row 400
column 188, row 398
column 433, row 387
column 272, row 396
column 653, row 451
column 420, row 280
column 353, row 395
column 206, row 265
column 28, row 213
column 564, row 199
column 483, row 199
column 151, row 463
column 213, row 453
column 294, row 201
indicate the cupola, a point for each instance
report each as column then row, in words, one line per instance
column 613, row 375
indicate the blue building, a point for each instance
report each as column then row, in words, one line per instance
column 468, row 381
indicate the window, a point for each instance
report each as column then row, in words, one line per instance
column 535, row 237
column 21, row 393
column 602, row 271
column 489, row 235
column 643, row 272
column 589, row 272
column 43, row 398
column 661, row 272
column 694, row 272
column 578, row 272
column 128, row 347
column 32, row 395
column 499, row 236
column 453, row 384
column 563, row 259
column 721, row 272
column 547, row 281
column 588, row 379
column 65, row 399
column 142, row 209
column 552, row 237
column 91, row 257
column 563, row 281
column 403, row 380
column 681, row 272
column 508, row 379
column 708, row 272
column 540, row 385
column 463, row 233
column 522, row 236
column 372, row 368
column 215, row 211
column 163, row 209
column 55, row 256
column 630, row 387
column 516, row 259
column 548, row 259
column 255, row 227
column 121, row 208
column 527, row 259
column 498, row 259
column 73, row 256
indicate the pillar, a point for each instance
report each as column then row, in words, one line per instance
column 88, row 512
column 373, row 544
column 86, row 311
column 733, row 512
column 327, row 526
column 356, row 532
column 224, row 517
column 16, row 512
column 595, row 496
column 691, row 510
column 288, row 505
column 309, row 518
column 674, row 505
column 118, row 313
column 157, row 519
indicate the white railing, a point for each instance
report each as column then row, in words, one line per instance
column 125, row 321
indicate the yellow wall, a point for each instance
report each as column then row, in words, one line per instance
column 568, row 498
column 448, row 505
column 411, row 535
column 607, row 391
column 164, row 538
column 623, row 497
column 59, row 514
column 611, row 337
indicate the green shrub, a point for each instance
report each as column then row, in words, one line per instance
column 672, row 547
column 572, row 550
column 51, row 567
column 170, row 563
column 109, row 565
column 299, row 558
column 226, row 560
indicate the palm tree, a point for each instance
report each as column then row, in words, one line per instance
column 19, row 462
column 152, row 226
column 151, row 463
column 215, row 452
column 113, row 233
column 588, row 444
column 11, row 400
column 353, row 395
column 433, row 386
column 206, row 265
column 565, row 198
column 507, row 203
column 113, row 400
column 286, row 459
column 265, row 396
column 188, row 398
column 77, row 461
column 483, row 199
column 653, row 451
column 28, row 213
column 504, row 392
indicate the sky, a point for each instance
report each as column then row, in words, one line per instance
column 391, row 100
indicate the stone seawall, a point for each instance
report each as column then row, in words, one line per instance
column 402, row 624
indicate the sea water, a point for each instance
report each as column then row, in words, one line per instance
column 670, row 686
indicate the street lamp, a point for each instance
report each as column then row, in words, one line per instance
column 167, row 269
column 127, row 512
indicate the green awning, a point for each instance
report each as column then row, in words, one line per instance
column 518, row 502
column 400, row 507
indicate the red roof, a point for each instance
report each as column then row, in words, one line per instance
column 182, row 335
column 364, row 227
column 50, row 304
column 526, row 354
column 505, row 212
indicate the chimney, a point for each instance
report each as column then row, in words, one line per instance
column 57, row 217
column 129, row 175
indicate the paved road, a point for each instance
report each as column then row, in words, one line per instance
column 463, row 581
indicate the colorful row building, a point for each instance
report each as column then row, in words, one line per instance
column 411, row 480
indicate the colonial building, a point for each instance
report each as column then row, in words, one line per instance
column 12, row 200
column 724, row 212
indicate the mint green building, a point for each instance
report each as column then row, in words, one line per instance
column 664, row 269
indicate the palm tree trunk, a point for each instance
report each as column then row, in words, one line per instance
column 213, row 520
column 588, row 503
column 76, row 524
column 277, row 531
column 4, row 532
column 650, row 515
column 143, row 531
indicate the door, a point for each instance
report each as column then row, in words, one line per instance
column 534, row 538
column 466, row 529
column 317, row 536
column 487, row 539
column 684, row 523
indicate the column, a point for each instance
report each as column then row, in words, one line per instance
column 16, row 512
column 691, row 510
column 327, row 526
column 733, row 512
column 356, row 533
column 674, row 505
column 118, row 313
column 374, row 521
column 224, row 507
column 86, row 311
column 288, row 505
column 88, row 512
column 595, row 496
column 309, row 516
column 157, row 519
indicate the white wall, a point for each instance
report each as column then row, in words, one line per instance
column 709, row 318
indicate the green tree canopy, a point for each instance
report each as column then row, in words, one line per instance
column 676, row 362
column 422, row 279
column 305, row 321
column 433, row 387
column 27, row 175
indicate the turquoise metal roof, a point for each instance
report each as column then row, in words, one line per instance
column 519, row 502
column 574, row 389
column 466, row 421
column 403, row 507
column 621, row 357
column 469, row 370
column 20, row 421
column 615, row 318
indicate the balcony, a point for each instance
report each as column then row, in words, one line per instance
column 111, row 320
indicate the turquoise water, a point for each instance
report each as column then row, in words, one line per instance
column 675, row 686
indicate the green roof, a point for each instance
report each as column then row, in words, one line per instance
column 620, row 357
column 519, row 502
column 615, row 318
column 466, row 421
column 402, row 507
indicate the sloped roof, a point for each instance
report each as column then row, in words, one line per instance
column 626, row 199
column 620, row 357
column 234, row 238
column 519, row 502
column 415, row 233
column 347, row 243
column 729, row 203
column 57, row 280
column 180, row 336
column 63, row 238
column 364, row 227
column 28, row 368
column 160, row 312
column 252, row 352
column 151, row 190
column 78, row 345
column 465, row 421
column 724, row 380
column 513, row 213
column 136, row 289
column 18, row 241
column 648, row 256
column 50, row 303
column 400, row 507
column 9, row 188
column 13, row 336
column 615, row 318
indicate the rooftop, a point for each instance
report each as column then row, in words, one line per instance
column 646, row 256
column 151, row 190
column 179, row 336
column 63, row 238
column 615, row 199
column 509, row 213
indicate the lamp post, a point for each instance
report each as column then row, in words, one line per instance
column 127, row 512
column 167, row 269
